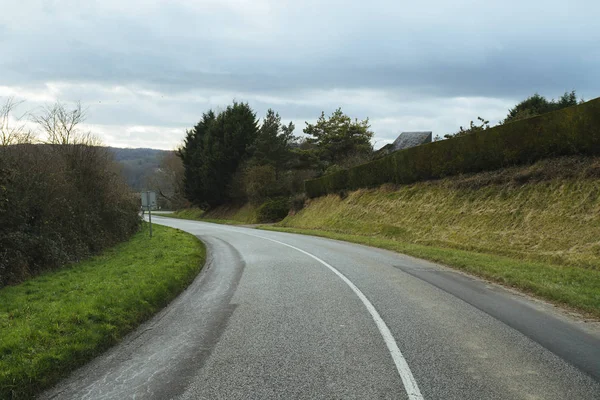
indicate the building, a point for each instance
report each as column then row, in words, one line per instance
column 406, row 140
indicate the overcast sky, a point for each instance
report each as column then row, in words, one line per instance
column 147, row 69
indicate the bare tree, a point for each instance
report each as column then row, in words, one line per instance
column 61, row 125
column 168, row 181
column 13, row 129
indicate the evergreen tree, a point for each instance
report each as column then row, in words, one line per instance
column 273, row 143
column 192, row 155
column 536, row 105
column 213, row 150
column 338, row 138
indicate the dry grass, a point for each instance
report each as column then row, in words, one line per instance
column 547, row 212
column 571, row 287
column 535, row 228
column 227, row 214
column 245, row 214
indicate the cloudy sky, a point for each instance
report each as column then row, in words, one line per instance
column 147, row 69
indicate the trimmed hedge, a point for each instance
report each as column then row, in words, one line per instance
column 573, row 130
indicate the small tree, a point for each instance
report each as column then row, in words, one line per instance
column 338, row 137
column 62, row 126
column 536, row 105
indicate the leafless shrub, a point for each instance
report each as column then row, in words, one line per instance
column 61, row 126
column 167, row 180
column 12, row 128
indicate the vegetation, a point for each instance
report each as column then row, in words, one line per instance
column 232, row 214
column 186, row 213
column 573, row 130
column 229, row 159
column 167, row 181
column 530, row 107
column 138, row 165
column 480, row 126
column 273, row 210
column 272, row 144
column 60, row 200
column 197, row 214
column 56, row 322
column 213, row 150
column 532, row 227
column 338, row 139
column 537, row 105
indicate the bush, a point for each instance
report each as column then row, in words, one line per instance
column 273, row 210
column 570, row 131
column 260, row 183
column 297, row 201
column 59, row 204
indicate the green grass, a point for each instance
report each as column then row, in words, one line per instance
column 56, row 322
column 573, row 287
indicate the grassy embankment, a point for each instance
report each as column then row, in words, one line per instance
column 535, row 228
column 229, row 214
column 54, row 323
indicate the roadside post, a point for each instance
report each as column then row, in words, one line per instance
column 148, row 203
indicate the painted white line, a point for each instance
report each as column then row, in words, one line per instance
column 410, row 384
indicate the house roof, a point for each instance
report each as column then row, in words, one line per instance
column 411, row 139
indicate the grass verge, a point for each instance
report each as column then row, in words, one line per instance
column 573, row 287
column 56, row 322
column 196, row 214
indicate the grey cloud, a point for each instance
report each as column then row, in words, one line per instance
column 197, row 54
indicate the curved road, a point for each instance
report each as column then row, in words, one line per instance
column 282, row 316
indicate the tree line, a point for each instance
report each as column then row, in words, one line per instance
column 62, row 197
column 231, row 156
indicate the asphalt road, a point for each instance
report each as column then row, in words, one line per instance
column 282, row 316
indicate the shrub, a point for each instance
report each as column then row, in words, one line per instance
column 570, row 131
column 260, row 183
column 59, row 204
column 273, row 210
column 297, row 201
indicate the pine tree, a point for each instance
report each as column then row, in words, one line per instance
column 273, row 143
column 339, row 138
column 213, row 150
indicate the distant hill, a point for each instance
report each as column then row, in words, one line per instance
column 138, row 164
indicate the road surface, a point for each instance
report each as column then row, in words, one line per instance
column 281, row 316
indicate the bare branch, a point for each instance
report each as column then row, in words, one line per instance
column 61, row 126
column 12, row 129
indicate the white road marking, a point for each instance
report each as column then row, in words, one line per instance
column 410, row 384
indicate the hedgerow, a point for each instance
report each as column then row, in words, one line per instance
column 59, row 203
column 570, row 131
